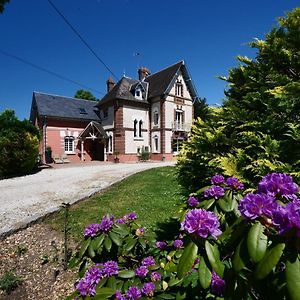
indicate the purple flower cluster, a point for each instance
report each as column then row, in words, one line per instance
column 201, row 222
column 87, row 285
column 214, row 191
column 217, row 284
column 178, row 244
column 129, row 217
column 278, row 184
column 234, row 183
column 141, row 271
column 148, row 261
column 288, row 217
column 91, row 230
column 193, row 201
column 155, row 276
column 148, row 289
column 107, row 223
column 217, row 179
column 161, row 245
column 134, row 292
column 253, row 206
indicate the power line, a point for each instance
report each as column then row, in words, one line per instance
column 48, row 71
column 82, row 39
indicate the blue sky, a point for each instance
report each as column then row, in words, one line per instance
column 208, row 35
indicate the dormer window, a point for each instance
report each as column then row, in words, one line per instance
column 179, row 88
column 82, row 111
column 138, row 93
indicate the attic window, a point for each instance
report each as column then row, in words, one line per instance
column 179, row 88
column 138, row 93
column 82, row 111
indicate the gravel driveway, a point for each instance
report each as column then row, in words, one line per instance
column 25, row 199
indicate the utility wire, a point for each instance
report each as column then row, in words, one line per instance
column 82, row 39
column 48, row 71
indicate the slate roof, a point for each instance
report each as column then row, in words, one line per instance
column 63, row 107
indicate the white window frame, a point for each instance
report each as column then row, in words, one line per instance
column 155, row 118
column 155, row 144
column 69, row 144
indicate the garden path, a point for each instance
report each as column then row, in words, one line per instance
column 26, row 199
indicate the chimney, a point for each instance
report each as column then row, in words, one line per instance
column 110, row 84
column 143, row 73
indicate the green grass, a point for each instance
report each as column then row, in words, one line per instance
column 153, row 194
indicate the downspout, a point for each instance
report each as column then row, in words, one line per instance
column 45, row 139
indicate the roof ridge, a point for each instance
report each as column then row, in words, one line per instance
column 181, row 61
column 36, row 92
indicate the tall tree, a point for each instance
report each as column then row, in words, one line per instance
column 257, row 129
column 2, row 3
column 201, row 108
column 83, row 94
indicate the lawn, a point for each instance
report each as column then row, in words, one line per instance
column 153, row 194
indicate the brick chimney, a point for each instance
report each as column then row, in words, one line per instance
column 110, row 84
column 143, row 73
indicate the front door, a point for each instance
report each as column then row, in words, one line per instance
column 97, row 150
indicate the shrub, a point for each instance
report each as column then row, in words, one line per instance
column 19, row 142
column 9, row 281
column 145, row 155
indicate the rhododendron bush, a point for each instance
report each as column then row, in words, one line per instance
column 232, row 244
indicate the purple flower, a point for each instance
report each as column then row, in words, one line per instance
column 107, row 223
column 140, row 232
column 131, row 216
column 121, row 221
column 91, row 230
column 155, row 276
column 234, row 183
column 193, row 201
column 217, row 284
column 214, row 191
column 133, row 293
column 217, row 179
column 161, row 245
column 201, row 222
column 148, row 261
column 253, row 206
column 141, row 272
column 178, row 244
column 278, row 184
column 110, row 268
column 87, row 285
column 148, row 289
column 119, row 296
column 288, row 217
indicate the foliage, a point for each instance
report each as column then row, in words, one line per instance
column 83, row 94
column 256, row 130
column 148, row 193
column 19, row 142
column 225, row 254
column 2, row 3
column 201, row 109
column 145, row 155
column 9, row 281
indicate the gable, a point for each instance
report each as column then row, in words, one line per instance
column 180, row 80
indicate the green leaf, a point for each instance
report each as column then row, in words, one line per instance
column 130, row 244
column 241, row 256
column 213, row 256
column 187, row 259
column 257, row 242
column 292, row 273
column 126, row 274
column 91, row 251
column 120, row 229
column 107, row 243
column 84, row 247
column 269, row 261
column 72, row 296
column 97, row 242
column 174, row 281
column 115, row 238
column 204, row 274
column 112, row 283
column 142, row 243
column 104, row 293
column 166, row 296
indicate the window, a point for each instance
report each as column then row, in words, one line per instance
column 179, row 88
column 82, row 111
column 155, row 143
column 155, row 118
column 105, row 113
column 69, row 144
column 140, row 128
column 138, row 93
column 109, row 145
column 135, row 128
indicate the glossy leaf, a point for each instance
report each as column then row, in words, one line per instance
column 115, row 238
column 107, row 243
column 112, row 283
column 84, row 247
column 241, row 256
column 130, row 244
column 204, row 274
column 126, row 274
column 187, row 259
column 91, row 251
column 213, row 256
column 104, row 293
column 292, row 274
column 269, row 261
column 166, row 296
column 97, row 242
column 120, row 229
column 257, row 242
column 174, row 281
